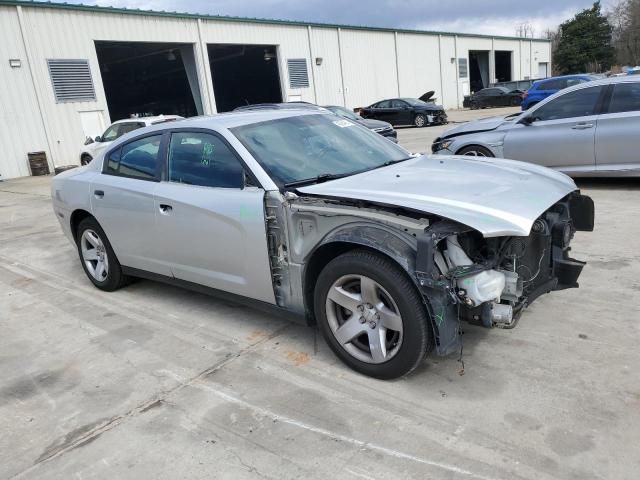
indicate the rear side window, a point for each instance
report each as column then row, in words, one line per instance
column 625, row 98
column 128, row 127
column 553, row 85
column 137, row 159
column 398, row 104
column 203, row 159
column 580, row 103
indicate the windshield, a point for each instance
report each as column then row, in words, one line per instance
column 308, row 146
column 343, row 112
column 414, row 102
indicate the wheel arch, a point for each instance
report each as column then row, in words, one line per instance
column 474, row 144
column 76, row 217
column 377, row 239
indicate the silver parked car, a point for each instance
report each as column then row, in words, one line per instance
column 316, row 217
column 590, row 129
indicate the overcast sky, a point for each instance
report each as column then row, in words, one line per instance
column 498, row 17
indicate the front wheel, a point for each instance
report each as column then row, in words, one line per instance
column 420, row 120
column 98, row 259
column 371, row 315
column 475, row 151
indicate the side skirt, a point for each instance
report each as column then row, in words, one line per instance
column 221, row 294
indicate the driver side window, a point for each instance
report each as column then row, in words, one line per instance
column 203, row 159
column 398, row 104
column 580, row 103
column 384, row 104
column 110, row 133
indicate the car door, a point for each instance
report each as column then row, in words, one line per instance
column 210, row 222
column 562, row 132
column 617, row 134
column 383, row 111
column 123, row 202
column 401, row 113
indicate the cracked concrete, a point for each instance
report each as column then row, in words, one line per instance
column 157, row 382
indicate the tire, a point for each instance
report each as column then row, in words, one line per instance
column 515, row 102
column 85, row 159
column 474, row 106
column 475, row 151
column 402, row 320
column 420, row 120
column 94, row 249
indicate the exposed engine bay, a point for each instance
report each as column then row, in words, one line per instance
column 490, row 281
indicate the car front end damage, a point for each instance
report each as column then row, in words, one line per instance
column 460, row 273
column 490, row 281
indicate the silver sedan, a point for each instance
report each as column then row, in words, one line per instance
column 314, row 217
column 590, row 129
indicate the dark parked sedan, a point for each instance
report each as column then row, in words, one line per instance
column 493, row 97
column 406, row 111
column 383, row 128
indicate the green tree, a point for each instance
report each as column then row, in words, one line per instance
column 585, row 43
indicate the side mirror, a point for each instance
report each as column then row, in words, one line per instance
column 527, row 120
column 88, row 141
column 98, row 138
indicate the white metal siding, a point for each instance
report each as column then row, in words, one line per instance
column 358, row 67
column 419, row 65
column 369, row 66
column 328, row 76
column 21, row 128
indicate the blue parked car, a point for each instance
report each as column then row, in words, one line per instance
column 542, row 89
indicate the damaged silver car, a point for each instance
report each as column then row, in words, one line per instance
column 316, row 218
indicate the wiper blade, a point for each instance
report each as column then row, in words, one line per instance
column 317, row 179
column 393, row 162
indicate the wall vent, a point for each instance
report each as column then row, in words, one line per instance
column 71, row 80
column 298, row 74
column 463, row 71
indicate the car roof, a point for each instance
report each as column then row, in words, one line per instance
column 149, row 120
column 238, row 118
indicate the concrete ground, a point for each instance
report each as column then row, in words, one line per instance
column 161, row 383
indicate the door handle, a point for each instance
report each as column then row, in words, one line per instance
column 582, row 126
column 165, row 209
column 98, row 193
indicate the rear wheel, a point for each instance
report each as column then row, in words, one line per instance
column 420, row 120
column 475, row 151
column 98, row 259
column 371, row 315
column 85, row 159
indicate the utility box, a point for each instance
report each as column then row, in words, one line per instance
column 38, row 163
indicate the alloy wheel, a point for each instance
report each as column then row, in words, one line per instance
column 94, row 255
column 364, row 319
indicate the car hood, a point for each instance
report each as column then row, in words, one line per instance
column 371, row 124
column 493, row 196
column 482, row 125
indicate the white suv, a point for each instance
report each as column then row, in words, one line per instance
column 94, row 146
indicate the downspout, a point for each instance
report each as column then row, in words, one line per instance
column 313, row 75
column 344, row 94
column 440, row 63
column 395, row 43
column 208, row 78
column 455, row 51
column 27, row 49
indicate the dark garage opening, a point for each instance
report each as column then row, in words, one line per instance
column 503, row 66
column 146, row 79
column 478, row 69
column 244, row 75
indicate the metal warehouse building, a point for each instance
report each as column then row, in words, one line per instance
column 67, row 71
